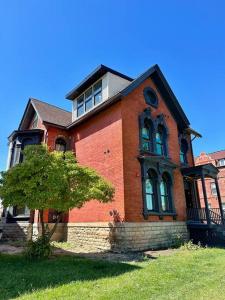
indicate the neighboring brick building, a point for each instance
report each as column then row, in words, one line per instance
column 217, row 159
column 134, row 133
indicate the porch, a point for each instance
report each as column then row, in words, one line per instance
column 197, row 214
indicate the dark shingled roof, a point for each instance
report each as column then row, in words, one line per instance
column 52, row 114
column 47, row 112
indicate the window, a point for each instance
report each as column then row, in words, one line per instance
column 165, row 194
column 97, row 92
column 60, row 145
column 146, row 136
column 221, row 162
column 223, row 206
column 34, row 122
column 149, row 194
column 150, row 97
column 80, row 106
column 183, row 151
column 160, row 141
column 150, row 190
column 213, row 189
column 90, row 98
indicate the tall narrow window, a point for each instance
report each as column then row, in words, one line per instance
column 183, row 151
column 151, row 190
column 97, row 89
column 160, row 141
column 165, row 194
column 146, row 136
column 213, row 189
column 60, row 145
column 88, row 100
column 34, row 122
column 80, row 106
column 149, row 193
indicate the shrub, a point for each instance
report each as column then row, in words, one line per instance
column 39, row 249
column 191, row 246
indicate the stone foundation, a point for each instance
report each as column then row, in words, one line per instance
column 127, row 236
column 119, row 237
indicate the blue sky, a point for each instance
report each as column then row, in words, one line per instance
column 46, row 47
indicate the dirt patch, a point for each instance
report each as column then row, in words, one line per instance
column 8, row 248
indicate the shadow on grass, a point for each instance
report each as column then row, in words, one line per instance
column 19, row 276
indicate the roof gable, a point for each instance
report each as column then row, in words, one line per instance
column 46, row 112
column 161, row 83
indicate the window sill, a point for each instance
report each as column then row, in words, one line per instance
column 160, row 214
column 145, row 152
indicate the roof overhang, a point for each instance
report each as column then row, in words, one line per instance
column 92, row 78
column 27, row 133
column 207, row 170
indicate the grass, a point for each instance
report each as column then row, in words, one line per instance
column 184, row 275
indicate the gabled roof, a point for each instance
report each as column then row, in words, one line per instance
column 217, row 155
column 60, row 117
column 160, row 81
column 156, row 75
column 92, row 78
column 48, row 113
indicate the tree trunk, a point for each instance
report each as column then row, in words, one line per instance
column 41, row 214
column 55, row 226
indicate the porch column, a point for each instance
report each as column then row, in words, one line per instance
column 219, row 199
column 205, row 199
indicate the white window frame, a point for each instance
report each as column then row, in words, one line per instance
column 221, row 162
column 92, row 97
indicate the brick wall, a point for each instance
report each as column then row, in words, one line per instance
column 98, row 144
column 132, row 106
column 212, row 199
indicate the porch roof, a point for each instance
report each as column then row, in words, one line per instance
column 207, row 170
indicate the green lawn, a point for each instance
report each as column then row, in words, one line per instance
column 186, row 274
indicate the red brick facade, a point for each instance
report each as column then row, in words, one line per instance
column 212, row 158
column 109, row 143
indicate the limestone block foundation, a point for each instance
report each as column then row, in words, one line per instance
column 128, row 236
column 119, row 237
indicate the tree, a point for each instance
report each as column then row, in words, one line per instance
column 51, row 180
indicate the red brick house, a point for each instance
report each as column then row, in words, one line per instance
column 217, row 159
column 134, row 133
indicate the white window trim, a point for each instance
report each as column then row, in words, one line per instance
column 84, row 100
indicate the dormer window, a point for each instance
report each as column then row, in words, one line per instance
column 90, row 98
column 221, row 162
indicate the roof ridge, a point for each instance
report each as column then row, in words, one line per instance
column 31, row 98
column 215, row 151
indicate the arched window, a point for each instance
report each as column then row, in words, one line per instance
column 60, row 145
column 161, row 141
column 151, row 190
column 183, row 151
column 146, row 136
column 165, row 193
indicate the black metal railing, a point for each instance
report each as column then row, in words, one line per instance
column 200, row 215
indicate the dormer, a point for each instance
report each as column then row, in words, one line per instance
column 102, row 84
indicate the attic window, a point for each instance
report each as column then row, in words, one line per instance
column 90, row 98
column 34, row 122
column 150, row 97
column 221, row 162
